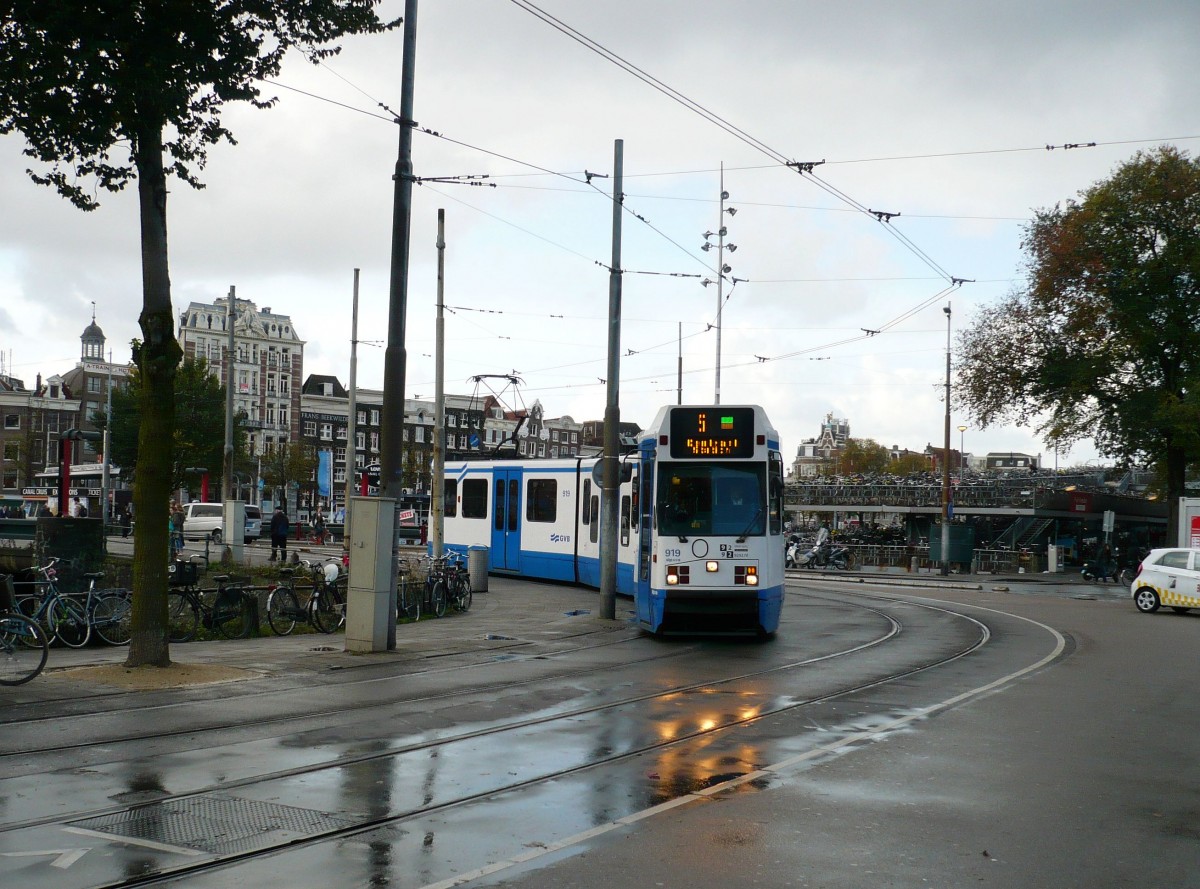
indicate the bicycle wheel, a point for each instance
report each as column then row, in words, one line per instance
column 23, row 649
column 328, row 609
column 111, row 617
column 282, row 608
column 228, row 614
column 182, row 617
column 70, row 622
column 28, row 607
column 437, row 598
column 462, row 601
column 408, row 600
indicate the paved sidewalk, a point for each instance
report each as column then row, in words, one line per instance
column 515, row 618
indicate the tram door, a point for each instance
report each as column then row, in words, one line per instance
column 506, row 519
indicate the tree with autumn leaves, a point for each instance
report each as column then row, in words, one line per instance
column 1103, row 342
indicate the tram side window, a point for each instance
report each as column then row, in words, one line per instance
column 595, row 530
column 625, row 520
column 634, row 506
column 450, row 498
column 541, row 500
column 587, row 501
column 474, row 498
column 499, row 505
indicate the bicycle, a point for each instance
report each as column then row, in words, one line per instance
column 108, row 611
column 434, row 594
column 325, row 609
column 187, row 611
column 24, row 645
column 408, row 601
column 63, row 619
column 458, row 583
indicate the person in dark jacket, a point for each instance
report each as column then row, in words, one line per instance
column 279, row 533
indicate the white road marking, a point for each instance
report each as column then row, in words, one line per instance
column 132, row 841
column 65, row 857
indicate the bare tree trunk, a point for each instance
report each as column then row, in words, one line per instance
column 157, row 360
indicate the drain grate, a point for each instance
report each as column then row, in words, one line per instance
column 216, row 824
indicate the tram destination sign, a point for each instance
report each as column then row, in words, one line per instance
column 698, row 432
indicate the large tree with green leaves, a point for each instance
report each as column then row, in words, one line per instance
column 287, row 464
column 1104, row 341
column 199, row 423
column 117, row 91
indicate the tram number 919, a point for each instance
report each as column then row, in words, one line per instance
column 672, row 554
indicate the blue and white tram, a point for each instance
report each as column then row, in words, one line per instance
column 700, row 520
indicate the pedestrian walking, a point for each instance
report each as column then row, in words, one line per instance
column 175, row 528
column 126, row 520
column 319, row 528
column 279, row 534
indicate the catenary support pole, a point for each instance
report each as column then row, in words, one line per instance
column 391, row 446
column 439, row 398
column 351, row 418
column 227, row 463
column 946, row 460
column 610, row 481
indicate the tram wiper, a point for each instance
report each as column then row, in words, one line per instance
column 742, row 537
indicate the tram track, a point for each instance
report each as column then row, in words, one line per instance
column 895, row 628
column 363, row 826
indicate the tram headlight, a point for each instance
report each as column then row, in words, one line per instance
column 712, row 566
column 746, row 574
column 677, row 574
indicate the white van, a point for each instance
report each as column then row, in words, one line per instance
column 202, row 520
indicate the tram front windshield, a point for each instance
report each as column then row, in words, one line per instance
column 712, row 499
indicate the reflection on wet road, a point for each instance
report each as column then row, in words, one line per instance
column 419, row 788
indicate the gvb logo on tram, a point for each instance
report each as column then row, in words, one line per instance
column 700, row 532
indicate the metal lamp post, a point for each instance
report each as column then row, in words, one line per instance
column 722, row 271
column 962, row 454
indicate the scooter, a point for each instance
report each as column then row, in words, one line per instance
column 1100, row 571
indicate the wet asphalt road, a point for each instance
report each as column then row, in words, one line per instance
column 903, row 736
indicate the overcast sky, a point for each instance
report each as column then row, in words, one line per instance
column 938, row 111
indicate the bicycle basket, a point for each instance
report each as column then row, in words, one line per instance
column 182, row 573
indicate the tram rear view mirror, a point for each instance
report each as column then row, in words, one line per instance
column 626, row 472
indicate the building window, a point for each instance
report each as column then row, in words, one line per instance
column 326, row 432
column 94, row 384
column 339, row 475
column 283, row 416
column 12, row 421
column 451, row 420
column 284, row 385
column 361, row 418
column 419, row 434
column 374, row 418
column 12, row 451
column 310, row 427
column 339, row 455
column 374, row 442
column 360, row 440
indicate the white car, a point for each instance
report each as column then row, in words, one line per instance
column 1168, row 577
